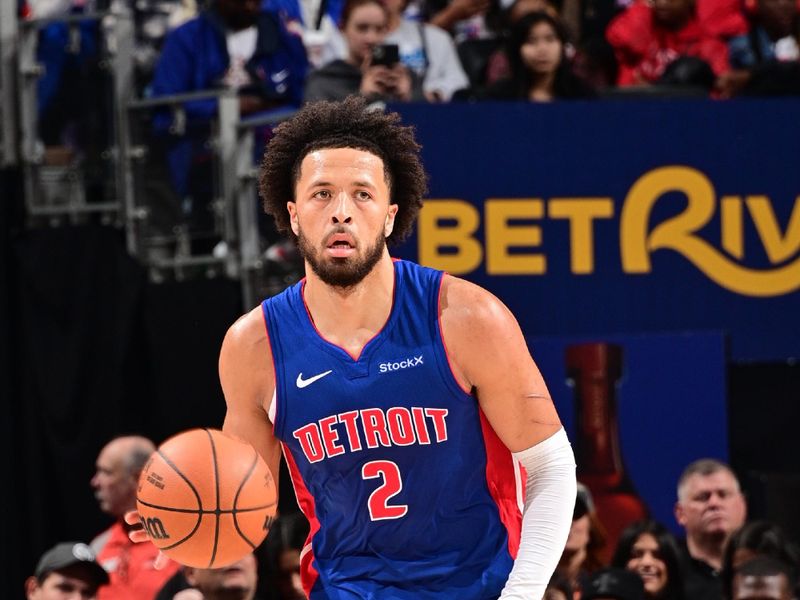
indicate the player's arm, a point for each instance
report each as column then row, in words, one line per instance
column 248, row 381
column 489, row 354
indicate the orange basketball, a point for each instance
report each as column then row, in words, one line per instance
column 206, row 499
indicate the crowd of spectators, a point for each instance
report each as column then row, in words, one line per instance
column 722, row 556
column 535, row 50
column 278, row 54
column 112, row 567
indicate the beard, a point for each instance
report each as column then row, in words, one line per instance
column 341, row 272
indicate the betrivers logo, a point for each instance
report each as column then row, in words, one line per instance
column 407, row 363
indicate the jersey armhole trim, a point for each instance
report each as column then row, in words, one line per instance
column 440, row 331
column 272, row 409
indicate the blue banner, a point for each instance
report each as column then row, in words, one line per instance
column 621, row 217
column 669, row 409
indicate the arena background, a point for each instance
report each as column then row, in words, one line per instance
column 92, row 347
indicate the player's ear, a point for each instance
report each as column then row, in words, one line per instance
column 388, row 226
column 292, row 208
column 31, row 584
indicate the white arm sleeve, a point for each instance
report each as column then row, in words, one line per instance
column 550, row 492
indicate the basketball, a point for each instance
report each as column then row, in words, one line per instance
column 206, row 499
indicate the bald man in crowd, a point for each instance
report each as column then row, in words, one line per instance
column 710, row 508
column 130, row 566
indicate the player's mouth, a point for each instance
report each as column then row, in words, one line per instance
column 340, row 245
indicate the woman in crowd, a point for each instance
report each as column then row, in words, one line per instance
column 540, row 69
column 364, row 27
column 648, row 549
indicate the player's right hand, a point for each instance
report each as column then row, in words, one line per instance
column 138, row 534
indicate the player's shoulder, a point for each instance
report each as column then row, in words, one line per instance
column 247, row 336
column 465, row 304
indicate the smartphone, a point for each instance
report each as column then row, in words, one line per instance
column 387, row 55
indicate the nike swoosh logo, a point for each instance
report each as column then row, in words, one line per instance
column 301, row 383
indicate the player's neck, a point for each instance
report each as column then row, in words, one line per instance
column 351, row 317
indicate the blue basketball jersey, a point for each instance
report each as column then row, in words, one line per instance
column 409, row 492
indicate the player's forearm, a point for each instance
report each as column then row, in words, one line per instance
column 549, row 502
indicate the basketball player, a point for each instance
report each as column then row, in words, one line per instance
column 402, row 399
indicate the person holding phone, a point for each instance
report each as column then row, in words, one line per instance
column 372, row 69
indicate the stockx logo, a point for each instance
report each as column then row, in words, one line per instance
column 408, row 363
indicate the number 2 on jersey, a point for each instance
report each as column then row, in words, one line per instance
column 379, row 509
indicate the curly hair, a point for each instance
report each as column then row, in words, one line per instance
column 346, row 124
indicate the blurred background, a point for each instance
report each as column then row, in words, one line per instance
column 631, row 196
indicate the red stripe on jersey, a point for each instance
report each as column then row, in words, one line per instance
column 308, row 574
column 502, row 484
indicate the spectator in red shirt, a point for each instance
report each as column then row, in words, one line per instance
column 130, row 566
column 649, row 36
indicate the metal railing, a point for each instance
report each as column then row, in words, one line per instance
column 8, row 87
column 56, row 193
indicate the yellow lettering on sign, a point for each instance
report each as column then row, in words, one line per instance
column 581, row 213
column 501, row 235
column 433, row 236
column 679, row 234
column 732, row 228
column 779, row 246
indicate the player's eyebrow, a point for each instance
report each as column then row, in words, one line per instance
column 320, row 183
column 324, row 183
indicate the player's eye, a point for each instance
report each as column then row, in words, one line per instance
column 323, row 195
column 362, row 195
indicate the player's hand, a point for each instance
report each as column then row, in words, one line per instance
column 139, row 535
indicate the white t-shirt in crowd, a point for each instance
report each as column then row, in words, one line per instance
column 444, row 73
column 241, row 47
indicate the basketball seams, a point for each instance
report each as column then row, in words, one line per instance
column 205, row 512
column 236, row 500
column 189, row 535
column 248, row 520
column 175, row 468
column 216, row 509
column 199, row 510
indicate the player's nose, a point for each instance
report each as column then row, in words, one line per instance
column 342, row 209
